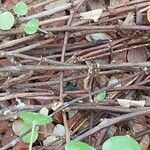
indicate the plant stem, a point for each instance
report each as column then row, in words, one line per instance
column 33, row 127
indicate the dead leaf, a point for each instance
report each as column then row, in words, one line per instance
column 116, row 3
column 129, row 19
column 131, row 103
column 95, row 37
column 114, row 80
column 21, row 146
column 58, row 117
column 92, row 15
column 4, row 125
column 56, row 105
column 45, row 131
column 59, row 130
column 44, row 111
column 55, row 4
column 50, row 140
column 144, row 144
column 119, row 58
column 8, row 137
column 96, row 4
column 137, row 55
column 8, row 4
column 16, row 126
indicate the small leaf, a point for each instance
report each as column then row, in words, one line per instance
column 35, row 118
column 78, row 145
column 59, row 130
column 101, row 96
column 121, row 143
column 93, row 14
column 7, row 20
column 32, row 26
column 24, row 128
column 21, row 9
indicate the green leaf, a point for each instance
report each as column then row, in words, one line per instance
column 121, row 143
column 7, row 20
column 101, row 96
column 24, row 128
column 21, row 9
column 35, row 118
column 78, row 145
column 32, row 26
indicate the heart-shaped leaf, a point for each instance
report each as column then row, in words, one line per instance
column 7, row 20
column 101, row 96
column 21, row 9
column 24, row 128
column 32, row 26
column 121, row 143
column 35, row 118
column 78, row 145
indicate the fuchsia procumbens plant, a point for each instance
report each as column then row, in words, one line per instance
column 20, row 9
column 31, row 120
column 7, row 20
column 121, row 143
column 114, row 143
column 32, row 26
column 78, row 145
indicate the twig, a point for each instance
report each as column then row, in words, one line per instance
column 109, row 122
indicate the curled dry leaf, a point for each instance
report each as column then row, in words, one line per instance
column 92, row 15
column 130, row 103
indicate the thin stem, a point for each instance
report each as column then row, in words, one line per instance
column 32, row 132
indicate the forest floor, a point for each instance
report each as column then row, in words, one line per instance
column 85, row 63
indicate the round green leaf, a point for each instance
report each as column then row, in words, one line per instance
column 101, row 96
column 121, row 143
column 35, row 118
column 32, row 26
column 24, row 128
column 7, row 20
column 78, row 145
column 21, row 8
